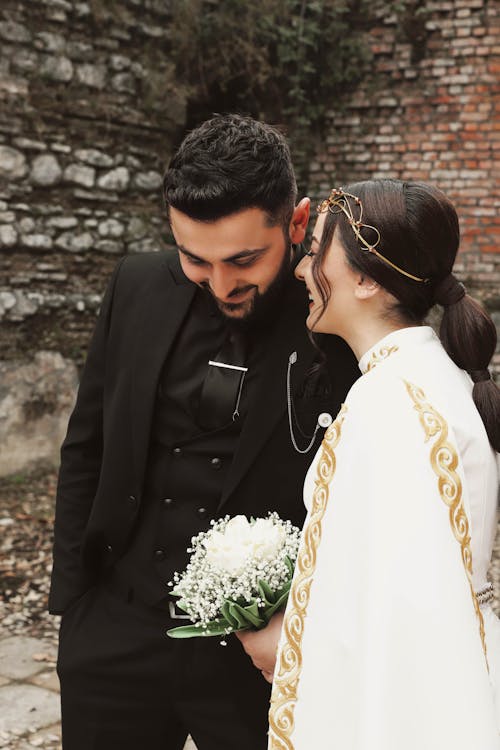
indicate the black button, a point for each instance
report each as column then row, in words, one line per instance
column 216, row 463
column 177, row 452
column 159, row 554
column 132, row 500
column 167, row 502
column 202, row 512
column 109, row 548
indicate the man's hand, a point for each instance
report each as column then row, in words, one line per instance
column 262, row 645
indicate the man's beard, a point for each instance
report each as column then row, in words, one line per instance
column 261, row 305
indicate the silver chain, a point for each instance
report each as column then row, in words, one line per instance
column 291, row 361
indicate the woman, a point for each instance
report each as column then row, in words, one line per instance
column 389, row 641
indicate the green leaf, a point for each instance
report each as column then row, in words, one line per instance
column 216, row 627
column 246, row 616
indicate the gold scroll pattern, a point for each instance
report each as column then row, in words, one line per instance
column 289, row 667
column 379, row 355
column 444, row 461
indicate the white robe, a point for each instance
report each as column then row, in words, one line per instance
column 384, row 645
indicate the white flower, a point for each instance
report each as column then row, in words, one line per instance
column 240, row 541
column 267, row 539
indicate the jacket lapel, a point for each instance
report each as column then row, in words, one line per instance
column 170, row 296
column 269, row 400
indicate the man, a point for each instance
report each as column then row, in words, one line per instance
column 161, row 441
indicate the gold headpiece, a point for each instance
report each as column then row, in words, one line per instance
column 337, row 202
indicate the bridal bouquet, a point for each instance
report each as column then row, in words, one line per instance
column 238, row 576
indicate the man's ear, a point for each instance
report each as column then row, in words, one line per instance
column 366, row 288
column 300, row 219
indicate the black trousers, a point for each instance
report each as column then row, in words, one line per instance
column 126, row 685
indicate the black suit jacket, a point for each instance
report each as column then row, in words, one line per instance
column 104, row 455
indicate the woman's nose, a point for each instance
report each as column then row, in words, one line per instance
column 300, row 268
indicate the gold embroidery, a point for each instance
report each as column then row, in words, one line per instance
column 284, row 695
column 444, row 460
column 380, row 355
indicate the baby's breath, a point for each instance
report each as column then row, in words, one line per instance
column 203, row 587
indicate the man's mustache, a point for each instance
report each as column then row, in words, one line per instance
column 233, row 293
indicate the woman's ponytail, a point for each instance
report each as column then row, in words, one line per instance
column 469, row 336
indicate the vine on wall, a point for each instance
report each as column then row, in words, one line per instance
column 285, row 61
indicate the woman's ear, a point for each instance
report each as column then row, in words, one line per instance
column 300, row 219
column 366, row 288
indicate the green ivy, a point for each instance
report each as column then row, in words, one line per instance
column 285, row 61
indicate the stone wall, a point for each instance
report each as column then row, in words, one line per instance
column 87, row 116
column 429, row 109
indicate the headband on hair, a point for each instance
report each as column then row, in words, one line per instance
column 338, row 201
column 449, row 291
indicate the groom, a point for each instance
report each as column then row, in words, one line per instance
column 160, row 442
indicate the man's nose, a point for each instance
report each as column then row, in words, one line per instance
column 222, row 283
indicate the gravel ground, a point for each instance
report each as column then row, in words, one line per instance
column 26, row 518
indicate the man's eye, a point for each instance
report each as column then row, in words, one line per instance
column 195, row 261
column 244, row 262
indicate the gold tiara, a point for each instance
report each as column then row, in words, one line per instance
column 337, row 202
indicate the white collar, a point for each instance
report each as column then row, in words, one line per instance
column 391, row 343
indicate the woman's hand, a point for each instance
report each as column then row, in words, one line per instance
column 262, row 645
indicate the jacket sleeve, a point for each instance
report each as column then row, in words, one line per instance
column 81, row 456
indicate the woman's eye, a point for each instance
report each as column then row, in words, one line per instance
column 310, row 253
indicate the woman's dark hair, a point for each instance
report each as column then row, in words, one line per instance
column 230, row 163
column 419, row 232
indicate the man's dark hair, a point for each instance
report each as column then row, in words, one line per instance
column 230, row 163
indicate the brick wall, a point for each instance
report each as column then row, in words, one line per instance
column 429, row 109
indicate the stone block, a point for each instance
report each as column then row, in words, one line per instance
column 8, row 235
column 116, row 179
column 48, row 680
column 124, row 83
column 111, row 228
column 57, row 68
column 93, row 76
column 80, row 175
column 36, row 398
column 36, row 241
column 94, row 157
column 147, row 181
column 50, row 42
column 62, row 222
column 27, row 707
column 45, row 170
column 17, row 654
column 22, row 308
column 109, row 246
column 14, row 32
column 77, row 50
column 75, row 243
column 12, row 163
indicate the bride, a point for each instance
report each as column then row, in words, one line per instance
column 389, row 641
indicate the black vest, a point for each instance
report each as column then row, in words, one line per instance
column 186, row 465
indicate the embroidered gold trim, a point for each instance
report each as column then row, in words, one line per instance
column 380, row 355
column 444, row 460
column 289, row 667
